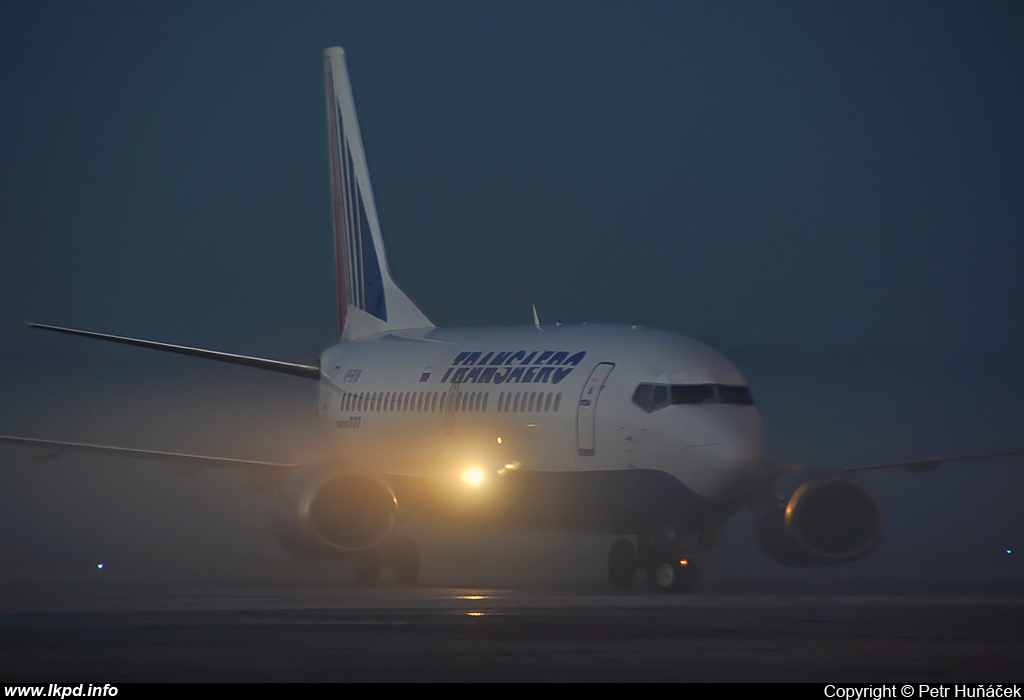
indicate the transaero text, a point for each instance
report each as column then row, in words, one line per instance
column 512, row 367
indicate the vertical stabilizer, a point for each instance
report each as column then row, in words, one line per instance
column 369, row 301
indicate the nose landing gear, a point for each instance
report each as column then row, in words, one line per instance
column 675, row 575
column 664, row 558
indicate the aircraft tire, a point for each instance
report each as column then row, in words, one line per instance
column 669, row 576
column 621, row 564
column 368, row 568
column 406, row 561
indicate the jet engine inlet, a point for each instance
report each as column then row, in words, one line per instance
column 353, row 512
column 826, row 521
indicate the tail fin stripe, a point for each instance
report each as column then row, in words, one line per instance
column 364, row 281
column 350, row 244
column 334, row 129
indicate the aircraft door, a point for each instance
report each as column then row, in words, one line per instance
column 586, row 413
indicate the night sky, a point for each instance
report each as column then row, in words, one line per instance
column 782, row 180
column 757, row 175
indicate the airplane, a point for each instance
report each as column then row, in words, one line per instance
column 632, row 432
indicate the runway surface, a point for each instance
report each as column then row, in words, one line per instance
column 69, row 635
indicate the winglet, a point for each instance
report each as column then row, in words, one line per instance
column 369, row 300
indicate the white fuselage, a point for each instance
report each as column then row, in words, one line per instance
column 556, row 399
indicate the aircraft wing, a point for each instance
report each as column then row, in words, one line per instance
column 292, row 368
column 927, row 465
column 189, row 462
column 770, row 474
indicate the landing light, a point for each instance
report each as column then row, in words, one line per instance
column 473, row 476
column 510, row 467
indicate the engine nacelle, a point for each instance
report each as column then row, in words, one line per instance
column 828, row 520
column 326, row 512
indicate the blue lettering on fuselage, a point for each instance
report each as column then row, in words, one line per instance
column 512, row 367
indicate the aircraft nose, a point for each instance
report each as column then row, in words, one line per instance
column 730, row 454
column 739, row 448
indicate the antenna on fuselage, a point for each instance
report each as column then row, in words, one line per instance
column 536, row 321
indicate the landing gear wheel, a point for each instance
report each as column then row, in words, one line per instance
column 406, row 555
column 674, row 576
column 621, row 565
column 368, row 568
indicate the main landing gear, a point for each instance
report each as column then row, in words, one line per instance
column 621, row 565
column 402, row 554
column 663, row 557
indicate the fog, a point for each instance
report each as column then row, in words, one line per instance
column 945, row 530
column 829, row 194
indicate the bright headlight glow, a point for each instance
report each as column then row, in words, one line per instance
column 473, row 476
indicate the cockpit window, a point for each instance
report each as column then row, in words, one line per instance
column 644, row 397
column 661, row 397
column 652, row 397
column 693, row 393
column 736, row 394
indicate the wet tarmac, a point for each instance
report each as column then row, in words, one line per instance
column 69, row 635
